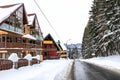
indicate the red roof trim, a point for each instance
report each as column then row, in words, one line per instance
column 7, row 6
column 31, row 14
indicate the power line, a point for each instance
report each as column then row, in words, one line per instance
column 47, row 20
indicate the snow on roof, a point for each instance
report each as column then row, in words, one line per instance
column 29, row 36
column 13, row 57
column 30, row 19
column 6, row 12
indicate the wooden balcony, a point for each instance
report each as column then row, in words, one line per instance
column 13, row 45
column 18, row 45
column 51, row 57
column 38, row 46
column 50, row 49
column 2, row 45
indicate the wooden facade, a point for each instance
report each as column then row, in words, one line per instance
column 33, row 28
column 50, row 48
column 16, row 33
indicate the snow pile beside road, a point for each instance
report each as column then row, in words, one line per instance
column 54, row 69
column 110, row 62
column 46, row 70
column 65, row 72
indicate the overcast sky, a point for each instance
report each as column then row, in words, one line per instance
column 68, row 17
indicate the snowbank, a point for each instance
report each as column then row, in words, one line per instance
column 65, row 72
column 111, row 62
column 46, row 70
column 13, row 57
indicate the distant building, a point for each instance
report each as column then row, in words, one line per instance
column 63, row 53
column 51, row 49
column 19, row 34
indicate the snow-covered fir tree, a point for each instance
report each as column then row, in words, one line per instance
column 102, row 34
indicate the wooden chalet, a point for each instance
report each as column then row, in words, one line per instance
column 15, row 34
column 63, row 53
column 50, row 48
column 34, row 30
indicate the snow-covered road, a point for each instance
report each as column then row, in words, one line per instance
column 86, row 71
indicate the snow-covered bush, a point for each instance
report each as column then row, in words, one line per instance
column 13, row 57
column 37, row 57
column 28, row 57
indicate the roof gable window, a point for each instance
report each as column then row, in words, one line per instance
column 34, row 26
column 37, row 30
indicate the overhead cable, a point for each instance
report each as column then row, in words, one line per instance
column 47, row 19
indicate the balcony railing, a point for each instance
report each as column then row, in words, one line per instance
column 18, row 45
column 13, row 45
column 10, row 28
column 50, row 49
column 2, row 45
column 51, row 57
column 38, row 46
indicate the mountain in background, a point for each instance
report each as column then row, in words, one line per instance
column 74, row 50
column 78, row 46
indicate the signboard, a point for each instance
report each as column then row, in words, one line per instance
column 47, row 42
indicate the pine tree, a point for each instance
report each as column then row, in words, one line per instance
column 102, row 34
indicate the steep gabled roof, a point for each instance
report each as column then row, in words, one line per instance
column 49, row 37
column 7, row 10
column 31, row 19
column 60, row 46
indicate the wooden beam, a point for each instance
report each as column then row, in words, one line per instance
column 3, row 32
column 4, row 51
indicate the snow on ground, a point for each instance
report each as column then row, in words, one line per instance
column 46, row 70
column 110, row 62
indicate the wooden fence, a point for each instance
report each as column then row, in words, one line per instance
column 6, row 64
